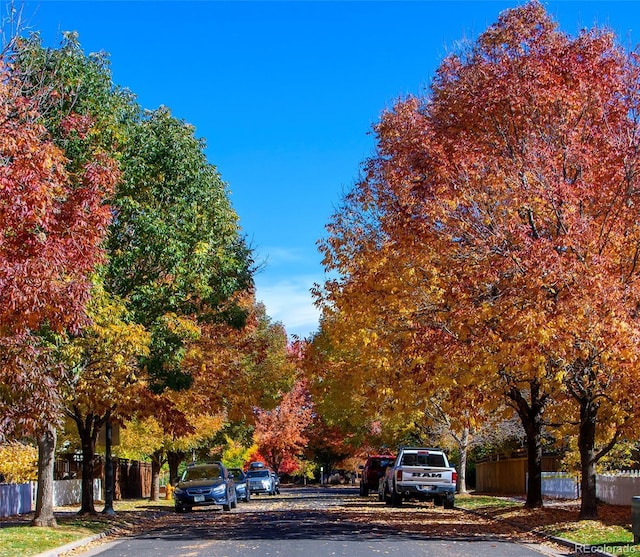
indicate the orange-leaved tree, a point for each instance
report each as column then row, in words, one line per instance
column 506, row 200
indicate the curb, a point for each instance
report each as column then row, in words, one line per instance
column 578, row 548
column 60, row 550
column 57, row 551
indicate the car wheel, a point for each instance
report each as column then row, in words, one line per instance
column 179, row 509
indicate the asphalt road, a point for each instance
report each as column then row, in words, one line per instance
column 322, row 523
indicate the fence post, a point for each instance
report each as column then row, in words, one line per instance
column 635, row 518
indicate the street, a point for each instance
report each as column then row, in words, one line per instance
column 320, row 522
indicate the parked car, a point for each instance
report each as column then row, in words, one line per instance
column 205, row 484
column 374, row 469
column 261, row 481
column 243, row 493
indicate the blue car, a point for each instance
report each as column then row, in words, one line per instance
column 204, row 485
column 242, row 484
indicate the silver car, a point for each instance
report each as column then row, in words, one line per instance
column 261, row 481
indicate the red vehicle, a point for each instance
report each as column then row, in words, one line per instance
column 372, row 471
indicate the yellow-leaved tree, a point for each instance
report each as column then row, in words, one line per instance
column 104, row 377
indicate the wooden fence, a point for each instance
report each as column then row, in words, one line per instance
column 132, row 479
column 508, row 476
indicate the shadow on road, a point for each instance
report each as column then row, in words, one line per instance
column 327, row 514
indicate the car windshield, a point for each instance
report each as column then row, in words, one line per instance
column 202, row 473
column 258, row 473
column 236, row 473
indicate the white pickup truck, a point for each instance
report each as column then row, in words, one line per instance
column 420, row 473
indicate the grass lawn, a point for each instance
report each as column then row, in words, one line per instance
column 611, row 533
column 18, row 539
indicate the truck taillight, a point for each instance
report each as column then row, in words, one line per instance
column 399, row 475
column 454, row 477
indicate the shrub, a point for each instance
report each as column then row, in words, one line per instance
column 18, row 462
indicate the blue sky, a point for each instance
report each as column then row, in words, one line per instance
column 285, row 94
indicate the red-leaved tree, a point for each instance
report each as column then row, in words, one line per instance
column 281, row 433
column 52, row 223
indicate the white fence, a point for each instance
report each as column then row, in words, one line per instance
column 614, row 488
column 618, row 488
column 15, row 499
column 560, row 485
column 20, row 498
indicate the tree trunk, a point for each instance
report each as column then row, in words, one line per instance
column 530, row 414
column 46, row 464
column 534, row 465
column 88, row 429
column 174, row 458
column 586, row 446
column 87, row 505
column 463, row 446
column 157, row 460
column 108, row 468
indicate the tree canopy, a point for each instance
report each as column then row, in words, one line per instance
column 493, row 239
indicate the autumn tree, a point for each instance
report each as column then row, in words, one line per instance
column 236, row 369
column 175, row 250
column 105, row 379
column 53, row 222
column 281, row 432
column 148, row 438
column 502, row 204
column 326, row 446
column 175, row 246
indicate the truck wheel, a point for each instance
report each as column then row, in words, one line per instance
column 387, row 496
column 365, row 491
column 449, row 503
column 396, row 499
